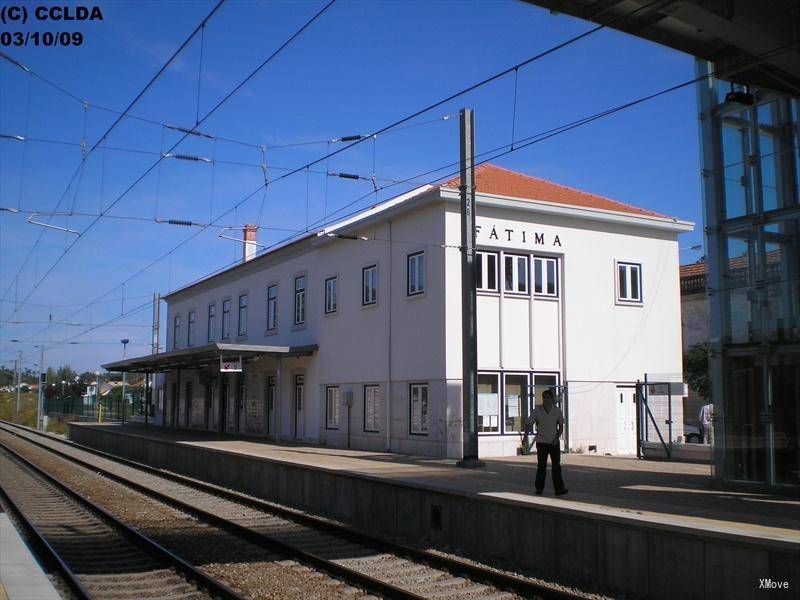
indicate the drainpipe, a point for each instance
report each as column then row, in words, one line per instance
column 388, row 402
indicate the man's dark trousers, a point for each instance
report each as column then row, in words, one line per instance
column 554, row 452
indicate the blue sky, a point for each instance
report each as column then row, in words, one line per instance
column 361, row 66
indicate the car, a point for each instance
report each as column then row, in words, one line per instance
column 692, row 434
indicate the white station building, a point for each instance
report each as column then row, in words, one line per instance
column 351, row 336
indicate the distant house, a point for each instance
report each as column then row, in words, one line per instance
column 694, row 325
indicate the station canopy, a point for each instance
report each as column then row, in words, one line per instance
column 203, row 356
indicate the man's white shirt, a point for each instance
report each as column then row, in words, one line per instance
column 547, row 423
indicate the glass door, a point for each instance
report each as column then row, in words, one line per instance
column 515, row 392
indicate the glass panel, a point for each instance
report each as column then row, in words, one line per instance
column 551, row 277
column 522, row 274
column 509, row 273
column 781, row 310
column 785, row 401
column 488, row 403
column 479, row 260
column 537, row 276
column 515, row 394
column 623, row 282
column 745, row 433
column 634, row 283
column 741, row 295
column 735, row 150
column 491, row 271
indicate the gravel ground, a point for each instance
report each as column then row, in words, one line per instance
column 418, row 578
column 249, row 569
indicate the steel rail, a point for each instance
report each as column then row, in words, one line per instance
column 452, row 565
column 336, row 570
column 213, row 586
column 49, row 553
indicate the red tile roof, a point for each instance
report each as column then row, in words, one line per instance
column 491, row 179
column 694, row 269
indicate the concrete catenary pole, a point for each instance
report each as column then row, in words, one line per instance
column 42, row 378
column 153, row 350
column 469, row 321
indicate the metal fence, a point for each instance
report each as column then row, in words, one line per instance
column 89, row 408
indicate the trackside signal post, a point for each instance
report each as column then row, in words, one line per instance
column 469, row 321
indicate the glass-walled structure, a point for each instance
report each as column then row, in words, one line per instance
column 751, row 171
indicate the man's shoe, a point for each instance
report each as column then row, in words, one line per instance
column 562, row 492
column 539, row 492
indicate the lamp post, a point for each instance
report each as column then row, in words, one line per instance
column 124, row 376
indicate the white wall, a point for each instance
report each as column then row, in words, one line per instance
column 592, row 340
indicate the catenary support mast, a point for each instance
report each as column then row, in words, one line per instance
column 469, row 321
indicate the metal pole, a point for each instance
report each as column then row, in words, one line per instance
column 146, row 396
column 17, row 402
column 124, row 378
column 469, row 322
column 41, row 388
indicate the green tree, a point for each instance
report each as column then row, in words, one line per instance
column 695, row 369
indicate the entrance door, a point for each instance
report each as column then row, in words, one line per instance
column 242, row 404
column 224, row 399
column 299, row 401
column 626, row 421
column 269, row 407
column 208, row 402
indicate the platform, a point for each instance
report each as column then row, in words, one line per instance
column 639, row 527
column 21, row 577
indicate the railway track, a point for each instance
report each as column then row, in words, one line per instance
column 382, row 567
column 95, row 554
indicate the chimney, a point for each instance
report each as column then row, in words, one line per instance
column 249, row 246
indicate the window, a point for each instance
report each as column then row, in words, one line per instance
column 488, row 403
column 226, row 319
column 300, row 300
column 242, row 330
column 419, row 408
column 486, row 271
column 212, row 321
column 516, row 392
column 516, row 274
column 545, row 276
column 272, row 307
column 372, row 407
column 190, row 322
column 332, row 402
column 176, row 331
column 415, row 273
column 331, row 297
column 629, row 282
column 369, row 285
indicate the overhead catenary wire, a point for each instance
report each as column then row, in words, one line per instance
column 108, row 131
column 528, row 141
column 213, row 110
column 464, row 91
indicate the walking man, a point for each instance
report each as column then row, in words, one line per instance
column 549, row 425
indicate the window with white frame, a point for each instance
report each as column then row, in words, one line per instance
column 300, row 300
column 331, row 295
column 242, row 330
column 545, row 276
column 629, row 282
column 486, row 271
column 488, row 403
column 515, row 273
column 418, row 408
column 211, row 325
column 226, row 319
column 332, row 403
column 372, row 407
column 415, row 274
column 369, row 285
column 176, row 331
column 191, row 318
column 272, row 307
